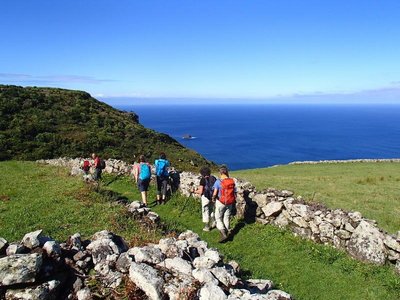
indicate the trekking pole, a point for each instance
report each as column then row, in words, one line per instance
column 186, row 202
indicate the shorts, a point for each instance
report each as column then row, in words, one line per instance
column 143, row 185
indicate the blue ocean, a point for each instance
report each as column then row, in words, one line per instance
column 256, row 136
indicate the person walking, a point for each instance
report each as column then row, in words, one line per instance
column 162, row 173
column 86, row 170
column 97, row 167
column 142, row 174
column 205, row 191
column 224, row 196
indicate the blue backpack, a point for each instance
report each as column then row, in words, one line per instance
column 145, row 172
column 161, row 167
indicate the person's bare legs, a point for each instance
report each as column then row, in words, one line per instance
column 144, row 198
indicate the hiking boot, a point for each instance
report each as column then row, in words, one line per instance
column 223, row 236
column 206, row 228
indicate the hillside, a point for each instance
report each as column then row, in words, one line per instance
column 37, row 123
column 304, row 269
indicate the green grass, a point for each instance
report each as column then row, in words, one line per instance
column 371, row 188
column 36, row 197
column 300, row 267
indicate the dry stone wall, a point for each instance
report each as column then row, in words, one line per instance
column 347, row 161
column 181, row 267
column 350, row 231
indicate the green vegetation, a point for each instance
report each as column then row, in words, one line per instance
column 37, row 123
column 371, row 188
column 300, row 267
column 34, row 196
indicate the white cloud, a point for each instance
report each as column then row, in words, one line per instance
column 50, row 79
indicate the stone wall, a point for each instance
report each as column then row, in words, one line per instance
column 105, row 267
column 350, row 231
column 112, row 165
column 346, row 161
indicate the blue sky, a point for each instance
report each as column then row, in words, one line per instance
column 117, row 50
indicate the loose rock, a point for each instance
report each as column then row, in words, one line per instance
column 147, row 279
column 19, row 268
column 367, row 244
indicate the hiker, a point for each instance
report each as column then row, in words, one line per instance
column 85, row 166
column 142, row 174
column 224, row 196
column 174, row 179
column 162, row 172
column 205, row 191
column 86, row 170
column 97, row 167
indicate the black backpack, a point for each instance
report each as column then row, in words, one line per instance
column 102, row 164
column 208, row 188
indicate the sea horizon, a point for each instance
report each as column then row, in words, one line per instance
column 264, row 135
column 306, row 100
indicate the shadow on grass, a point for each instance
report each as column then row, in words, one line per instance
column 248, row 216
column 112, row 196
column 241, row 224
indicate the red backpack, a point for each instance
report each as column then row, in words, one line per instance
column 228, row 196
column 86, row 166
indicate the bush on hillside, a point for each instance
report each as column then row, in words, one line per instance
column 38, row 123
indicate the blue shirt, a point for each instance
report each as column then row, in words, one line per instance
column 217, row 186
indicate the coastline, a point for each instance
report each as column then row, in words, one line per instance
column 332, row 161
column 345, row 161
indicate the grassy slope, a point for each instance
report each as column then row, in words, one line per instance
column 306, row 270
column 371, row 188
column 40, row 197
column 45, row 197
